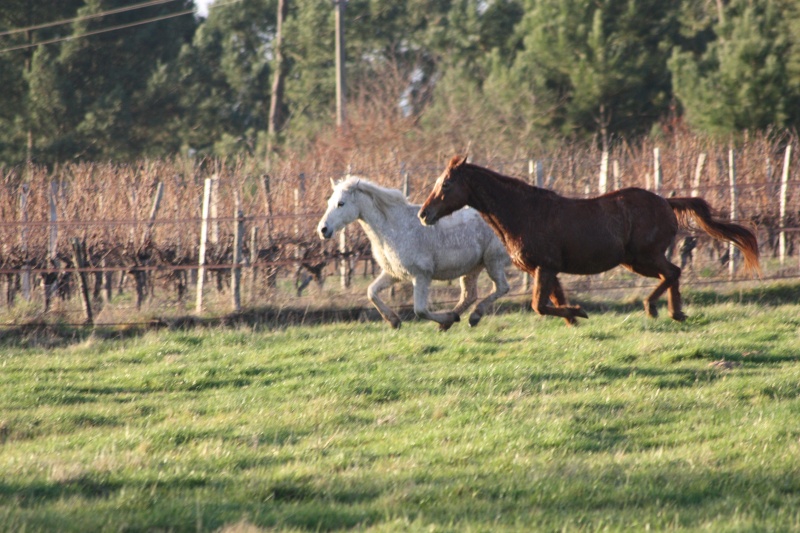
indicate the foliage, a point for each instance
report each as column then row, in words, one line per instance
column 95, row 87
column 747, row 77
column 221, row 81
column 527, row 73
column 15, row 67
column 520, row 424
column 596, row 66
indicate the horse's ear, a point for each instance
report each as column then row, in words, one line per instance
column 333, row 183
column 456, row 161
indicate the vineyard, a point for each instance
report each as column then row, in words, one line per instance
column 113, row 244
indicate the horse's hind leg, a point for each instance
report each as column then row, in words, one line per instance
column 497, row 273
column 469, row 291
column 545, row 286
column 381, row 282
column 669, row 275
column 421, row 288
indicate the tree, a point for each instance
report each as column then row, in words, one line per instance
column 747, row 78
column 277, row 109
column 22, row 22
column 89, row 96
column 221, row 80
column 595, row 66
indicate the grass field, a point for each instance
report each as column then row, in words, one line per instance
column 521, row 424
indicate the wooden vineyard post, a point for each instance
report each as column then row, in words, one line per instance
column 536, row 178
column 406, row 192
column 236, row 273
column 657, row 176
column 253, row 260
column 201, row 263
column 732, row 178
column 267, row 208
column 538, row 171
column 213, row 235
column 79, row 258
column 271, row 279
column 140, row 276
column 51, row 280
column 108, row 282
column 23, row 242
column 784, row 194
column 603, row 178
column 153, row 212
column 344, row 267
column 698, row 174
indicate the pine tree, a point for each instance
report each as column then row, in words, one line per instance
column 595, row 67
column 23, row 23
column 747, row 77
column 221, row 81
column 89, row 94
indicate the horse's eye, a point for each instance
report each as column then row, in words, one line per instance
column 445, row 185
column 340, row 204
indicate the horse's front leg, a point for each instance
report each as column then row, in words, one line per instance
column 559, row 299
column 545, row 286
column 381, row 282
column 497, row 273
column 421, row 288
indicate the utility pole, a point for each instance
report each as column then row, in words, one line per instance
column 28, row 70
column 275, row 121
column 340, row 57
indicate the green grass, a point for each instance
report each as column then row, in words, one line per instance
column 622, row 423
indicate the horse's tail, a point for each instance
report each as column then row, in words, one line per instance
column 698, row 210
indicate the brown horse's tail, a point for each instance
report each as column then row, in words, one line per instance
column 698, row 210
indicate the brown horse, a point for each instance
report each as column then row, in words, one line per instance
column 545, row 233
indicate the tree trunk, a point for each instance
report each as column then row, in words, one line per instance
column 279, row 70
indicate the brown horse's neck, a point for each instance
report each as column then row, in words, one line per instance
column 492, row 194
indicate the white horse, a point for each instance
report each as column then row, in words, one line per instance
column 459, row 246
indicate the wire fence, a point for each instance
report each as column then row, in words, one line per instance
column 63, row 239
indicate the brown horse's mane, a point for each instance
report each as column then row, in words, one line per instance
column 516, row 183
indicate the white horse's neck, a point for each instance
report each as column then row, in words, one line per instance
column 379, row 227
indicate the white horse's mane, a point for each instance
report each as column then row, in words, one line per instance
column 383, row 197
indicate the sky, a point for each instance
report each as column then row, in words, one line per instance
column 202, row 6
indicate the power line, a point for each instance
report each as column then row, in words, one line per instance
column 96, row 32
column 111, row 28
column 85, row 17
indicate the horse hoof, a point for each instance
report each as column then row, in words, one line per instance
column 679, row 316
column 396, row 324
column 444, row 326
column 650, row 309
column 474, row 318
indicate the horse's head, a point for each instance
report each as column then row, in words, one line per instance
column 449, row 193
column 342, row 208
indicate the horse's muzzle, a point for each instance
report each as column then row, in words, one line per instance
column 426, row 217
column 325, row 232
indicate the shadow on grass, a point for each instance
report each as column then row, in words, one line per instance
column 46, row 334
column 768, row 295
